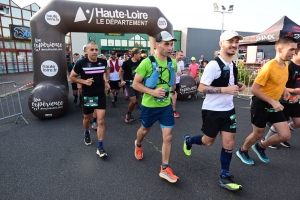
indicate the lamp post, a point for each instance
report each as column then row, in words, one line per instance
column 216, row 9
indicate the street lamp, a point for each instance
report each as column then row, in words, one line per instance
column 216, row 9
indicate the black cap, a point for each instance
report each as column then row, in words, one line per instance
column 113, row 53
column 165, row 36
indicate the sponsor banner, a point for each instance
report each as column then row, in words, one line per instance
column 39, row 104
column 40, row 45
column 19, row 32
column 112, row 17
column 114, row 34
column 52, row 18
column 184, row 89
column 49, row 68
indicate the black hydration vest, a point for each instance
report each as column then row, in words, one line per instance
column 223, row 80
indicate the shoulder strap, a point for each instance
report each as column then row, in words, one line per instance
column 169, row 59
column 219, row 61
column 153, row 61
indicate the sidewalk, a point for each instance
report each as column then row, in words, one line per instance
column 20, row 79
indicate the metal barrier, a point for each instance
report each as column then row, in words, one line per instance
column 10, row 102
column 247, row 76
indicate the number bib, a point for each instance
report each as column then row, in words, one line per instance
column 90, row 101
column 164, row 97
column 293, row 99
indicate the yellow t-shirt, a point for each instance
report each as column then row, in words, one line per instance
column 272, row 79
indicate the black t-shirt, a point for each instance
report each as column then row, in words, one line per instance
column 294, row 76
column 129, row 69
column 95, row 70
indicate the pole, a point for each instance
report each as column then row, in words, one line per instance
column 222, row 23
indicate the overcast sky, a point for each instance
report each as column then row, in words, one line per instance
column 248, row 15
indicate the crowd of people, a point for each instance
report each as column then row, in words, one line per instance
column 157, row 77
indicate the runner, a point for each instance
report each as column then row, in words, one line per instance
column 156, row 99
column 114, row 64
column 267, row 89
column 128, row 71
column 291, row 107
column 180, row 66
column 219, row 83
column 92, row 71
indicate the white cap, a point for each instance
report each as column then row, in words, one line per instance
column 84, row 46
column 227, row 35
column 165, row 36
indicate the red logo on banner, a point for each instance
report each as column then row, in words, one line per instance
column 296, row 28
column 290, row 34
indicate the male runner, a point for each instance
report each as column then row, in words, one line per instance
column 180, row 66
column 219, row 83
column 94, row 72
column 268, row 87
column 126, row 74
column 114, row 64
column 291, row 107
column 156, row 102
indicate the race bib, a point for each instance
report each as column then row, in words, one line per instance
column 90, row 101
column 165, row 97
column 293, row 99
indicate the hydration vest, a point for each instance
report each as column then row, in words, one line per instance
column 223, row 80
column 152, row 80
column 112, row 66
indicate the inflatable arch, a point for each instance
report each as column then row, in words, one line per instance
column 49, row 98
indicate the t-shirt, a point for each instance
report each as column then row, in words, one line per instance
column 194, row 70
column 145, row 70
column 272, row 78
column 180, row 66
column 129, row 68
column 294, row 76
column 95, row 70
column 220, row 101
column 114, row 76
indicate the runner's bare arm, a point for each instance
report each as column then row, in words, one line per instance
column 207, row 89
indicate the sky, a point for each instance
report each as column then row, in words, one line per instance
column 247, row 15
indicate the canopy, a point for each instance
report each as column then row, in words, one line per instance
column 283, row 27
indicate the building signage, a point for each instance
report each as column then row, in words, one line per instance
column 114, row 34
column 19, row 32
column 112, row 17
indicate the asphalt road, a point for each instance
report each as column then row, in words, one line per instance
column 48, row 159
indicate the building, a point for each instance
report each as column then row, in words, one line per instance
column 197, row 41
column 119, row 42
column 15, row 37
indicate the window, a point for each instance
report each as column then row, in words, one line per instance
column 1, row 45
column 103, row 42
column 130, row 43
column 34, row 7
column 6, row 32
column 110, row 42
column 2, row 59
column 148, row 43
column 11, row 57
column 5, row 21
column 4, row 2
column 68, row 47
column 17, row 22
column 67, row 40
column 26, row 23
column 27, row 7
column 137, row 37
column 16, row 12
column 117, row 42
column 28, row 45
column 20, row 45
column 124, row 43
column 13, row 4
column 26, row 14
column 143, row 44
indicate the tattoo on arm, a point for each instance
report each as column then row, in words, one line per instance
column 212, row 90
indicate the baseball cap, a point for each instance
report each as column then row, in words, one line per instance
column 193, row 58
column 165, row 36
column 113, row 53
column 84, row 47
column 227, row 35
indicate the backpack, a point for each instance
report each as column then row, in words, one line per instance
column 152, row 80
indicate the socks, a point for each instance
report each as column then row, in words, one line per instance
column 87, row 132
column 164, row 166
column 128, row 113
column 291, row 128
column 272, row 131
column 261, row 146
column 225, row 158
column 100, row 144
column 196, row 140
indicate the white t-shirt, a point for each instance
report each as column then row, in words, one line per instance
column 114, row 76
column 180, row 66
column 217, row 102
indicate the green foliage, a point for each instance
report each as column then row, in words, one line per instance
column 244, row 74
